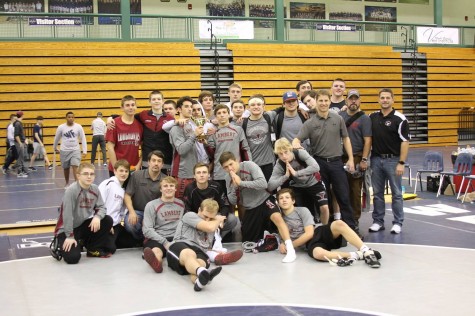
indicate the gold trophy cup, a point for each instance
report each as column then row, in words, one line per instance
column 200, row 121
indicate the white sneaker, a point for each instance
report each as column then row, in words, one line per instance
column 290, row 257
column 375, row 228
column 396, row 229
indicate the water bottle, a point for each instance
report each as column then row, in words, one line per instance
column 403, row 190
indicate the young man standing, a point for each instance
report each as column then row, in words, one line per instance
column 12, row 153
column 289, row 122
column 184, row 141
column 169, row 107
column 98, row 128
column 142, row 188
column 20, row 145
column 123, row 142
column 237, row 109
column 112, row 192
column 247, row 186
column 193, row 237
column 338, row 102
column 302, row 86
column 82, row 220
column 161, row 218
column 235, row 93
column 227, row 138
column 38, row 146
column 203, row 188
column 70, row 153
column 388, row 156
column 321, row 240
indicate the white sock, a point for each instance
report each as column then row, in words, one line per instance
column 289, row 245
column 198, row 271
column 364, row 248
column 337, row 216
column 212, row 255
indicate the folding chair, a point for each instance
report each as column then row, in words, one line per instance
column 462, row 167
column 433, row 163
column 469, row 184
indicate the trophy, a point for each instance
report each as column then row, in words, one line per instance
column 200, row 121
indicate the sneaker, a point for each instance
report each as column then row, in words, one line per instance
column 371, row 259
column 32, row 169
column 376, row 253
column 105, row 165
column 375, row 228
column 228, row 257
column 50, row 167
column 5, row 171
column 214, row 272
column 22, row 175
column 152, row 260
column 396, row 229
column 344, row 262
column 98, row 253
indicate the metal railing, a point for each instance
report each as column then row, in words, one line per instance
column 100, row 27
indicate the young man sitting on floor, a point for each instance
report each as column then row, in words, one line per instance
column 321, row 240
column 161, row 218
column 193, row 237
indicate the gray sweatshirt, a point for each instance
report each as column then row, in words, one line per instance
column 305, row 176
column 161, row 219
column 79, row 205
column 70, row 136
column 252, row 191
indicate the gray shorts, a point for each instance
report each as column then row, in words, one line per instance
column 38, row 149
column 70, row 158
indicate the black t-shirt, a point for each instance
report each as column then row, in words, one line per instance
column 193, row 196
column 388, row 132
column 337, row 106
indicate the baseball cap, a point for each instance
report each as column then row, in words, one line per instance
column 289, row 95
column 353, row 92
column 19, row 114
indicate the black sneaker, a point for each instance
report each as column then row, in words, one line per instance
column 371, row 259
column 204, row 278
column 344, row 262
column 50, row 167
column 32, row 169
column 214, row 272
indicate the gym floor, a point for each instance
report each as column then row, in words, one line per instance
column 426, row 270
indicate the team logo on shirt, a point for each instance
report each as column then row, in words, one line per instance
column 387, row 123
column 258, row 134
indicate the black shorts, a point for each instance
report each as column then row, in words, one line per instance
column 257, row 220
column 315, row 194
column 150, row 243
column 323, row 238
column 173, row 256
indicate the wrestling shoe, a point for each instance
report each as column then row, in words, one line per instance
column 202, row 279
column 98, row 253
column 152, row 260
column 371, row 259
column 228, row 257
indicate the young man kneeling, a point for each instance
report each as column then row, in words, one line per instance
column 82, row 220
column 193, row 237
column 321, row 240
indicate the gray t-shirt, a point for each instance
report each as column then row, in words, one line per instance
column 297, row 220
column 291, row 126
column 98, row 127
column 161, row 219
column 143, row 189
column 359, row 129
column 188, row 232
column 185, row 156
column 259, row 140
column 325, row 135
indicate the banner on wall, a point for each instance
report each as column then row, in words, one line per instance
column 336, row 27
column 437, row 35
column 227, row 29
column 55, row 21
